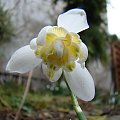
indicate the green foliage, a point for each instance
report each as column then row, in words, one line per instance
column 6, row 27
column 96, row 37
column 97, row 44
column 11, row 95
column 10, row 98
column 113, row 38
column 59, row 88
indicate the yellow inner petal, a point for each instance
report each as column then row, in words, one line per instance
column 50, row 37
column 70, row 66
column 73, row 50
column 75, row 38
column 59, row 31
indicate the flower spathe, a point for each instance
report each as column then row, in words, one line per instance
column 59, row 48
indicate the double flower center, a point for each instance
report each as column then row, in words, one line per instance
column 60, row 50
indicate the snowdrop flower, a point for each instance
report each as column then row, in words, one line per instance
column 59, row 48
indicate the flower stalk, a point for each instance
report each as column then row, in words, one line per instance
column 24, row 95
column 76, row 106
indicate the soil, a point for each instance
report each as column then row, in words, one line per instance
column 6, row 114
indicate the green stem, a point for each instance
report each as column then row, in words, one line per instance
column 77, row 108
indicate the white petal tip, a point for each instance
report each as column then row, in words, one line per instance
column 23, row 60
column 42, row 35
column 89, row 97
column 8, row 69
column 73, row 20
column 87, row 26
column 33, row 44
column 12, row 70
column 81, row 83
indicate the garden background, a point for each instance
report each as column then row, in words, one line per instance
column 20, row 21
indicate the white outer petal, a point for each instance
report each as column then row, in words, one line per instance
column 81, row 83
column 73, row 20
column 56, row 75
column 84, row 51
column 33, row 44
column 23, row 60
column 42, row 35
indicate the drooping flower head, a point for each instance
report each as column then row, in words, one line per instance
column 59, row 48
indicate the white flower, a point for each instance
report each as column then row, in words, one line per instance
column 59, row 48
